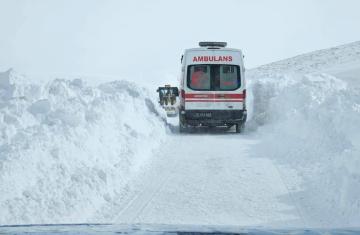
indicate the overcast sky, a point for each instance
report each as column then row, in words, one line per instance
column 144, row 39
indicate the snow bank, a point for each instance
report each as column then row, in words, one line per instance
column 67, row 149
column 309, row 121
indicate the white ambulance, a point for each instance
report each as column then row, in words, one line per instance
column 212, row 87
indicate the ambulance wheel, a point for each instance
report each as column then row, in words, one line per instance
column 182, row 128
column 239, row 127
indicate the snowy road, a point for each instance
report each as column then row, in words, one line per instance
column 194, row 181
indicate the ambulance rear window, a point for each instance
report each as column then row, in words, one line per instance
column 200, row 77
column 213, row 77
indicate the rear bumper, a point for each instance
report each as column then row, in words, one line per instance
column 212, row 117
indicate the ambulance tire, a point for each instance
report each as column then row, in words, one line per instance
column 239, row 127
column 182, row 127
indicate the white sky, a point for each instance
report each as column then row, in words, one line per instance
column 143, row 39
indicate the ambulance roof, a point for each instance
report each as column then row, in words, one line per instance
column 212, row 46
column 212, row 49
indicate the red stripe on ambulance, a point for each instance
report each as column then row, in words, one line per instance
column 203, row 100
column 214, row 96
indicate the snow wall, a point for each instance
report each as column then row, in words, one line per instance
column 309, row 120
column 67, row 150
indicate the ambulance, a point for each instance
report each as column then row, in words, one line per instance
column 212, row 87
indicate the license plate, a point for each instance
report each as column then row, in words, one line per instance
column 203, row 115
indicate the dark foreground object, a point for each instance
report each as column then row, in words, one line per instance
column 163, row 229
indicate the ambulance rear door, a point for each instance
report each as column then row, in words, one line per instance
column 214, row 80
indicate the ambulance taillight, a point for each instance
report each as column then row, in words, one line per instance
column 183, row 94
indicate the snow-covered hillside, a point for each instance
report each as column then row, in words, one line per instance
column 66, row 149
column 74, row 153
column 316, row 61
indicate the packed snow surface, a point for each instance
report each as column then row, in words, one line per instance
column 74, row 153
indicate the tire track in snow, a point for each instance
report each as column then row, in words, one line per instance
column 151, row 187
column 137, row 204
